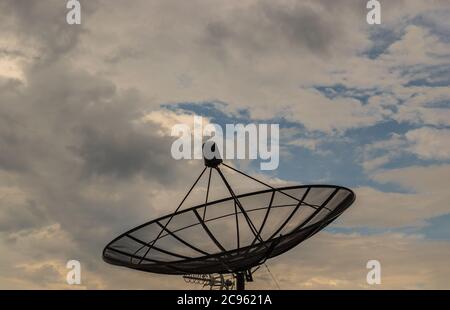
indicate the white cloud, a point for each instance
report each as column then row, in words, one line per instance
column 310, row 144
column 166, row 119
column 417, row 46
column 430, row 143
column 425, row 142
column 377, row 209
column 407, row 262
column 379, row 153
column 422, row 115
column 11, row 69
column 427, row 197
column 425, row 179
column 317, row 112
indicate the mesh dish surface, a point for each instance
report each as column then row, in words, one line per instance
column 221, row 237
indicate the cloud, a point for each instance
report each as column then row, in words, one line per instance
column 407, row 262
column 310, row 144
column 167, row 119
column 226, row 56
column 84, row 146
column 19, row 211
column 248, row 30
column 316, row 112
column 10, row 69
column 76, row 167
column 417, row 46
column 426, row 143
column 429, row 179
column 30, row 22
column 211, row 49
column 425, row 196
column 430, row 143
column 380, row 153
column 378, row 209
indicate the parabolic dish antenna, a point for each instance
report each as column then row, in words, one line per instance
column 230, row 236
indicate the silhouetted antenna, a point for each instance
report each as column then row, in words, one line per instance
column 213, row 281
column 221, row 243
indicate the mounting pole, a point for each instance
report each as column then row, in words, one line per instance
column 240, row 281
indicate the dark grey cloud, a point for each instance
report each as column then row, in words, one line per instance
column 124, row 53
column 72, row 146
column 70, row 143
column 11, row 155
column 124, row 153
column 21, row 216
column 82, row 115
column 303, row 27
column 11, row 53
column 82, row 160
column 43, row 26
column 268, row 26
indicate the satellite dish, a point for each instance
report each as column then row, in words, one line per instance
column 230, row 236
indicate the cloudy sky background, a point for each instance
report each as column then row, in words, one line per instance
column 86, row 112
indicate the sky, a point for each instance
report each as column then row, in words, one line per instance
column 86, row 112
